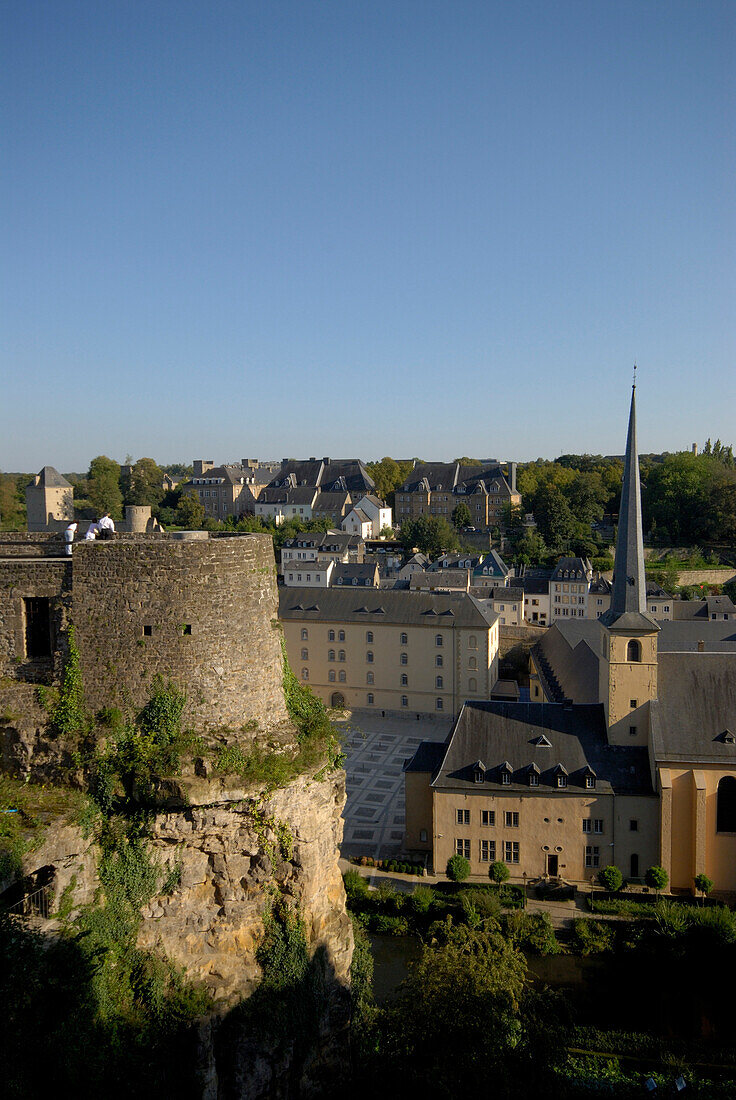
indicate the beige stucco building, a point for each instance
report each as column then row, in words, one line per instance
column 389, row 650
column 626, row 753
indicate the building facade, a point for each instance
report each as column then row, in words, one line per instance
column 389, row 650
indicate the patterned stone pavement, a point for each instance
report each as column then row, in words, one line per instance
column 375, row 749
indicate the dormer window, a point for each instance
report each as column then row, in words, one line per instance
column 506, row 772
column 533, row 779
column 590, row 782
column 505, row 779
column 561, row 780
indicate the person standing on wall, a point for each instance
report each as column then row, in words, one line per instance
column 69, row 537
column 106, row 526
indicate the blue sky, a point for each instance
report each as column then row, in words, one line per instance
column 411, row 228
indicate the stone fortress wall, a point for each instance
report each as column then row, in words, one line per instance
column 201, row 612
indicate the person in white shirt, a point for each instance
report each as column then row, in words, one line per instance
column 69, row 536
column 106, row 526
column 92, row 531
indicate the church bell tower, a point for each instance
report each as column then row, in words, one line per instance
column 628, row 668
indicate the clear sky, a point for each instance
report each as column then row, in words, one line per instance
column 400, row 227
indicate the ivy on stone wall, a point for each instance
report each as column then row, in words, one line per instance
column 69, row 715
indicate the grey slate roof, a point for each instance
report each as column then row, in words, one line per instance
column 332, row 504
column 684, row 610
column 497, row 731
column 474, row 478
column 50, row 478
column 305, row 472
column 303, row 494
column 352, row 472
column 571, row 569
column 438, row 474
column 716, row 636
column 571, row 655
column 432, row 609
column 696, row 706
column 491, row 565
column 427, row 758
column 345, row 574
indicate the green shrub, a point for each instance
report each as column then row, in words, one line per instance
column 531, row 932
column 485, row 902
column 389, row 926
column 356, row 888
column 458, row 868
column 610, row 878
column 421, row 900
column 591, row 937
column 656, row 878
column 703, row 884
column 498, row 872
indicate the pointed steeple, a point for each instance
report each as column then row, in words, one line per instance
column 629, row 593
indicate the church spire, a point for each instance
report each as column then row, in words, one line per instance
column 629, row 593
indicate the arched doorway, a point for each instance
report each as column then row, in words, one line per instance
column 337, row 700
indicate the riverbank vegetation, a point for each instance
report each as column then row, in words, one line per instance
column 497, row 996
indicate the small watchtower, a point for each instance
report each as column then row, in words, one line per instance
column 49, row 501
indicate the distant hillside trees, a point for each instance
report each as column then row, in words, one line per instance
column 103, row 487
column 12, row 501
column 388, row 474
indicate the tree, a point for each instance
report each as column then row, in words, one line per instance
column 457, row 1017
column 610, row 878
column 12, row 507
column 190, row 512
column 458, row 868
column 103, row 487
column 387, row 475
column 703, row 885
column 498, row 871
column 146, row 484
column 555, row 521
column 430, row 534
column 656, row 878
column 461, row 515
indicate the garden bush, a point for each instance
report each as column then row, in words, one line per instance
column 591, row 937
column 531, row 932
column 356, row 887
column 389, row 926
column 421, row 900
column 458, row 868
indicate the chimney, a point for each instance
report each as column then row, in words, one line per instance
column 326, row 461
column 202, row 465
column 701, row 646
column 512, row 476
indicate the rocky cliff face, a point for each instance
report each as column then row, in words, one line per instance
column 232, row 858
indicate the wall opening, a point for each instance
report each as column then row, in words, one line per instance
column 726, row 813
column 37, row 616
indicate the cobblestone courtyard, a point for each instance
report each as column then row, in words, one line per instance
column 375, row 750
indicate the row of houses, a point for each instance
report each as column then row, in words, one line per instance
column 542, row 597
column 308, row 489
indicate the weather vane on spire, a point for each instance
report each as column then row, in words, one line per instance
column 634, row 385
